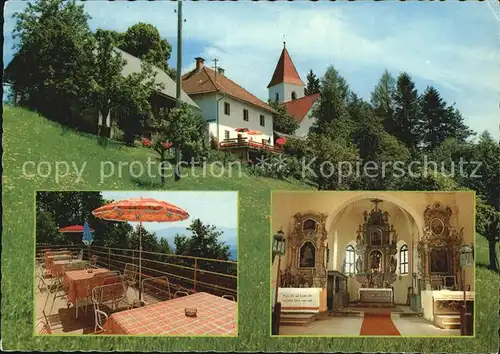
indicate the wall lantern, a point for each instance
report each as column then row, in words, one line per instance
column 279, row 243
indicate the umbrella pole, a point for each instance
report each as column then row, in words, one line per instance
column 140, row 261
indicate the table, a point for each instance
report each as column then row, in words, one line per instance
column 378, row 295
column 58, row 266
column 77, row 283
column 216, row 317
column 50, row 259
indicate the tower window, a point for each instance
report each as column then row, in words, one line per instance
column 262, row 120
column 294, row 95
column 245, row 115
column 227, row 109
column 403, row 259
column 277, row 96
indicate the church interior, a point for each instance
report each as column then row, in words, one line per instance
column 373, row 263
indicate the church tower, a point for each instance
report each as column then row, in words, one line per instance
column 285, row 84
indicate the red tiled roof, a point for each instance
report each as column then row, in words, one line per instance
column 206, row 81
column 299, row 107
column 285, row 71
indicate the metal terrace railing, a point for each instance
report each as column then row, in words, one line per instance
column 244, row 142
column 187, row 273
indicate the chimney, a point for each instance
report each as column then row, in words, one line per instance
column 199, row 63
column 220, row 71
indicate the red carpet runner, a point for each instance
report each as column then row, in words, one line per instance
column 378, row 324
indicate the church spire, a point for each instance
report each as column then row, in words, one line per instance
column 285, row 72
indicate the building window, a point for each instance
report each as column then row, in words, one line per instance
column 227, row 109
column 262, row 120
column 294, row 95
column 350, row 260
column 403, row 259
column 277, row 97
column 226, row 134
column 245, row 115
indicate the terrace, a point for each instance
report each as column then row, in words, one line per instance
column 243, row 144
column 170, row 283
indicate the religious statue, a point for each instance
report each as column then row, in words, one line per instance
column 375, row 261
column 307, row 255
column 393, row 263
column 359, row 265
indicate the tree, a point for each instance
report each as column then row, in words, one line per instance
column 332, row 162
column 332, row 105
column 149, row 240
column 51, row 69
column 488, row 224
column 204, row 242
column 313, row 84
column 376, row 148
column 382, row 97
column 185, row 128
column 282, row 121
column 434, row 124
column 143, row 41
column 134, row 102
column 108, row 80
column 404, row 124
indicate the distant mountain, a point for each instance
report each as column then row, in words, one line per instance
column 229, row 237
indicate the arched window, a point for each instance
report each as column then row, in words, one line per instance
column 350, row 260
column 277, row 97
column 403, row 260
column 294, row 95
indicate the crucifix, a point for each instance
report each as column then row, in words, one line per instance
column 376, row 201
column 284, row 41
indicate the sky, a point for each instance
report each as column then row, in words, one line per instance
column 215, row 208
column 453, row 46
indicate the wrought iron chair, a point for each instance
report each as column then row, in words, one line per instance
column 43, row 328
column 156, row 289
column 229, row 297
column 180, row 292
column 93, row 261
column 80, row 256
column 58, row 291
column 100, row 318
column 130, row 274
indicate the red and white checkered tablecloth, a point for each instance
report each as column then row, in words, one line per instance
column 77, row 283
column 215, row 317
column 50, row 259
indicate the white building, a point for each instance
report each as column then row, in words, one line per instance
column 287, row 88
column 228, row 106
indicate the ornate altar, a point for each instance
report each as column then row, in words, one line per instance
column 306, row 249
column 376, row 239
column 439, row 248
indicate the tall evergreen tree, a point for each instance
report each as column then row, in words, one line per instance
column 313, row 84
column 404, row 123
column 434, row 119
column 333, row 104
column 382, row 97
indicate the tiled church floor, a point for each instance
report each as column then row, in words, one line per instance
column 351, row 326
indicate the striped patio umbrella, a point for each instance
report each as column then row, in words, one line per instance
column 140, row 210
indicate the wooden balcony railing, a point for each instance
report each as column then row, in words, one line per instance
column 247, row 143
column 195, row 274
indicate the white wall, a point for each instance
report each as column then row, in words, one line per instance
column 305, row 125
column 285, row 92
column 208, row 105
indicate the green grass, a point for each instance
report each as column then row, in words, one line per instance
column 28, row 137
